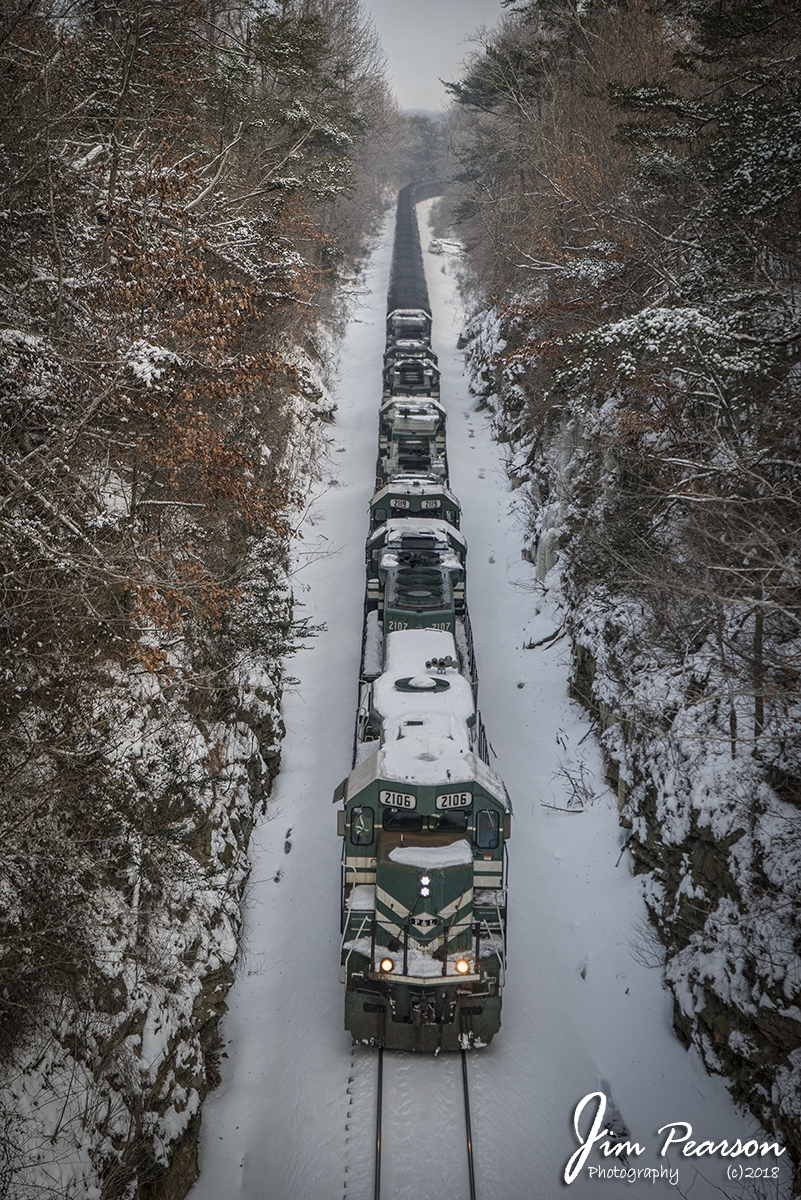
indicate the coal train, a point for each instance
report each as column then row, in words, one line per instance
column 424, row 820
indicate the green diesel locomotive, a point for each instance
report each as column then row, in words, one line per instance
column 416, row 574
column 411, row 439
column 424, row 824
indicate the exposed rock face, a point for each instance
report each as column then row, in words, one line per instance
column 101, row 1093
column 107, row 1090
column 711, row 811
column 725, row 930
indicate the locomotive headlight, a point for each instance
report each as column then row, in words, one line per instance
column 387, row 965
column 463, row 966
column 425, row 889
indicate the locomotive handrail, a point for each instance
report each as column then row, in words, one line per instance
column 362, row 715
column 483, row 742
column 502, row 924
column 344, row 965
column 489, row 930
column 471, row 654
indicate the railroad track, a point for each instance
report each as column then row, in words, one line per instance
column 379, row 1127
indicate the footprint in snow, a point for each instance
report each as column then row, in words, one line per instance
column 613, row 1118
column 287, row 843
column 491, row 558
column 278, row 876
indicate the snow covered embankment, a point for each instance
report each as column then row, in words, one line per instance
column 102, row 1094
column 711, row 810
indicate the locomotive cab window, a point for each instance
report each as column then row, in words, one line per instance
column 488, row 824
column 452, row 821
column 396, row 820
column 361, row 826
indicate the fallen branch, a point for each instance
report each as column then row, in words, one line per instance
column 552, row 637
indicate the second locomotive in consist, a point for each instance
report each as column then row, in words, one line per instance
column 423, row 818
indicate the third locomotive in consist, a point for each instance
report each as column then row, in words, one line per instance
column 423, row 818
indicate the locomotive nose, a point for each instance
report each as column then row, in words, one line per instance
column 431, row 883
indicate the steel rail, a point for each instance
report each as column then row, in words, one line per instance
column 378, row 1106
column 468, row 1128
column 378, row 1126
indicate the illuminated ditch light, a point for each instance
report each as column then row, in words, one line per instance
column 387, row 965
column 463, row 966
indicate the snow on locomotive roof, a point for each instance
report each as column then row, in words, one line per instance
column 426, row 403
column 455, row 854
column 426, row 730
column 401, row 527
column 428, row 749
column 406, row 652
column 409, row 312
column 405, row 657
column 471, row 769
column 393, row 558
column 423, row 485
column 412, row 346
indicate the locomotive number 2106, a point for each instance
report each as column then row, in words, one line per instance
column 454, row 800
column 397, row 799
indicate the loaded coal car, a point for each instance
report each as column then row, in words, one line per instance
column 424, row 822
column 408, row 307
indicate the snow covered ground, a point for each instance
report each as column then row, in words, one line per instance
column 582, row 1013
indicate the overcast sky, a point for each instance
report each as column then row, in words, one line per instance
column 425, row 41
